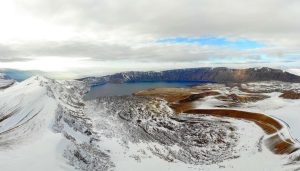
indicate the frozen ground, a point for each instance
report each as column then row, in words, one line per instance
column 134, row 151
column 287, row 110
column 45, row 125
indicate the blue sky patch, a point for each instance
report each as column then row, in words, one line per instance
column 241, row 44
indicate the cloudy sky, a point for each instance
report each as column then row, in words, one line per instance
column 73, row 38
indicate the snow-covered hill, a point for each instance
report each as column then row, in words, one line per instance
column 30, row 119
column 45, row 125
column 5, row 82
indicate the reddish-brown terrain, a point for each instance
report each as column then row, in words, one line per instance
column 181, row 100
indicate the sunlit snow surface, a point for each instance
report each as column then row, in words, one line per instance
column 45, row 125
column 27, row 141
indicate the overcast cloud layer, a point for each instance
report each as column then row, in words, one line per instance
column 104, row 36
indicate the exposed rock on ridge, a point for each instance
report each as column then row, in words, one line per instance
column 220, row 75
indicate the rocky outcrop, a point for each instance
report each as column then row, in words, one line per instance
column 155, row 130
column 220, row 75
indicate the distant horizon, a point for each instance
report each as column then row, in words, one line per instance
column 29, row 73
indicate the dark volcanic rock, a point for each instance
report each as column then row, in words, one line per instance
column 220, row 75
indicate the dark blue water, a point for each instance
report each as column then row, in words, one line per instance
column 110, row 89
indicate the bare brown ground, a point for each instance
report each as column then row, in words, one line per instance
column 181, row 100
column 179, row 95
column 197, row 96
column 172, row 95
column 290, row 95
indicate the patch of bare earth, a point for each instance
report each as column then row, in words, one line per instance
column 290, row 95
column 169, row 94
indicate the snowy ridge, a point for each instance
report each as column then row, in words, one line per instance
column 37, row 107
column 21, row 103
column 71, row 120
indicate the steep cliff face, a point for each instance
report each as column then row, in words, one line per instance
column 220, row 75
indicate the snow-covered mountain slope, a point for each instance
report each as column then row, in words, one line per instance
column 30, row 121
column 45, row 125
column 25, row 129
column 5, row 82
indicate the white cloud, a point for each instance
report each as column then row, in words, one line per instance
column 50, row 64
column 114, row 32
